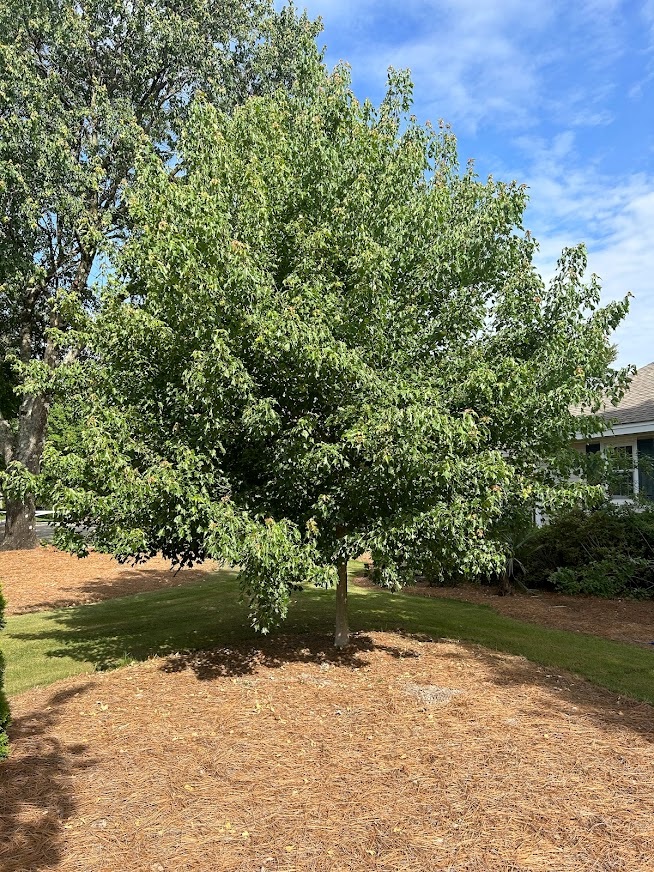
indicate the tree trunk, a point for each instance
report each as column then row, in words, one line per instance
column 20, row 526
column 342, row 634
column 20, row 523
column 25, row 446
column 505, row 588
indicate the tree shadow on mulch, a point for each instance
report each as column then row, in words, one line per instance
column 277, row 651
column 570, row 695
column 36, row 797
column 208, row 616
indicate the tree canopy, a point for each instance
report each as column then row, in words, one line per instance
column 325, row 338
column 83, row 85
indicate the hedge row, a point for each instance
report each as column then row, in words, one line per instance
column 607, row 552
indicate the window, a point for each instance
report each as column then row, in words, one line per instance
column 621, row 476
column 594, row 465
column 626, row 470
column 646, row 468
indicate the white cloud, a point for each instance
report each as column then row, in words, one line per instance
column 465, row 59
column 481, row 63
column 625, row 262
column 534, row 75
column 573, row 202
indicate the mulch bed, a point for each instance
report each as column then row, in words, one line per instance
column 622, row 620
column 401, row 754
column 45, row 578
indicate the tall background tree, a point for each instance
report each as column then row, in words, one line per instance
column 82, row 86
column 325, row 338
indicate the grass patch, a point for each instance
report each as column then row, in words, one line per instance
column 43, row 647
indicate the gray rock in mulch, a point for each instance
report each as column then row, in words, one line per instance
column 431, row 694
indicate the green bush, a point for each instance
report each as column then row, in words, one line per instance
column 614, row 577
column 4, row 707
column 607, row 552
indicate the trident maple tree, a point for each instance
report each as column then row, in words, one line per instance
column 324, row 339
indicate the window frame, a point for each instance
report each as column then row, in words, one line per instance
column 625, row 442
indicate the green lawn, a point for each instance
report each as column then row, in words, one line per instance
column 44, row 647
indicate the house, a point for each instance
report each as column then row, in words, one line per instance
column 630, row 434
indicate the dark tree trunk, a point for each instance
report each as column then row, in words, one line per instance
column 20, row 526
column 20, row 523
column 505, row 588
column 342, row 634
column 25, row 446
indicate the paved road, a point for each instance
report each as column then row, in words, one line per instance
column 44, row 531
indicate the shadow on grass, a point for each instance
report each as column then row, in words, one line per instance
column 130, row 581
column 209, row 615
column 36, row 796
column 110, row 633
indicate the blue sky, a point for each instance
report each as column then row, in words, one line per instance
column 558, row 95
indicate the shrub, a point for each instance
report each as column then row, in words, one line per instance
column 4, row 707
column 614, row 577
column 607, row 552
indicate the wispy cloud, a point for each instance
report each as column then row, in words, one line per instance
column 468, row 66
column 553, row 93
column 573, row 201
column 480, row 64
column 626, row 262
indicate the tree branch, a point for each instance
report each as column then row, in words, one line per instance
column 6, row 440
column 156, row 86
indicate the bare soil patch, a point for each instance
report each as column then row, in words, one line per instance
column 46, row 578
column 288, row 756
column 622, row 620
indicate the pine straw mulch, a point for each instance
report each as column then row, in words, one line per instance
column 622, row 620
column 290, row 756
column 46, row 578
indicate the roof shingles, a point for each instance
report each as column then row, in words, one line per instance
column 637, row 405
